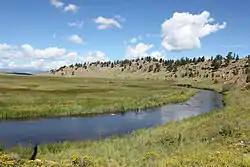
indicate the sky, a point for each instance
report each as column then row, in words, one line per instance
column 46, row 34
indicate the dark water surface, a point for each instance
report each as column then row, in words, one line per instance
column 82, row 128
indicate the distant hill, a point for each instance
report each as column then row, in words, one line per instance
column 21, row 71
column 18, row 73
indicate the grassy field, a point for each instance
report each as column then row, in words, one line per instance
column 32, row 96
column 218, row 138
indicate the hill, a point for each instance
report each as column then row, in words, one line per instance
column 229, row 69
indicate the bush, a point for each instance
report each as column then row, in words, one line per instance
column 150, row 68
column 248, row 78
column 226, row 131
column 247, row 70
column 226, row 87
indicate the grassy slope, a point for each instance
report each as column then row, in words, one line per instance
column 31, row 96
column 218, row 138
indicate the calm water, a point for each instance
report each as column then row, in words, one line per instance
column 82, row 128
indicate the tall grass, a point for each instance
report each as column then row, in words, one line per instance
column 218, row 138
column 31, row 96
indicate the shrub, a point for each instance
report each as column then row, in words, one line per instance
column 216, row 81
column 150, row 68
column 226, row 131
column 235, row 72
column 247, row 70
column 248, row 78
column 226, row 87
column 247, row 87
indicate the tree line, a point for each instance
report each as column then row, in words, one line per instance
column 171, row 64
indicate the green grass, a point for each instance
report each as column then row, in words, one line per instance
column 218, row 138
column 32, row 96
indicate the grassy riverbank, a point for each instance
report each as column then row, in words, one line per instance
column 218, row 138
column 32, row 96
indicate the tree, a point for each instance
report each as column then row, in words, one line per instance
column 130, row 63
column 175, row 69
column 237, row 58
column 216, row 63
column 157, row 67
column 154, row 59
column 218, row 57
column 229, row 56
column 150, row 68
column 248, row 59
column 161, row 60
column 203, row 59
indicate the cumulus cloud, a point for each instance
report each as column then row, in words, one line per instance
column 51, row 52
column 96, row 56
column 56, row 3
column 5, row 46
column 105, row 23
column 184, row 30
column 138, row 51
column 76, row 39
column 142, row 50
column 76, row 23
column 71, row 7
column 157, row 55
column 28, row 57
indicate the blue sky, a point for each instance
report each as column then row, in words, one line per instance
column 37, row 33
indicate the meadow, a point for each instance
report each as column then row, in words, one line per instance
column 24, row 97
column 218, row 138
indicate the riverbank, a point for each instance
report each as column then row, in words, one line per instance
column 29, row 97
column 218, row 138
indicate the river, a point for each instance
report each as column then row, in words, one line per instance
column 49, row 130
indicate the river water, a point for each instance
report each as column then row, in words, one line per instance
column 49, row 130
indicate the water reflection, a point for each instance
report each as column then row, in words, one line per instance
column 61, row 129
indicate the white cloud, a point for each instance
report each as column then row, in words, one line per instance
column 29, row 58
column 183, row 31
column 56, row 3
column 95, row 56
column 120, row 18
column 50, row 52
column 157, row 55
column 133, row 40
column 71, row 7
column 76, row 23
column 76, row 39
column 106, row 23
column 139, row 50
column 5, row 46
